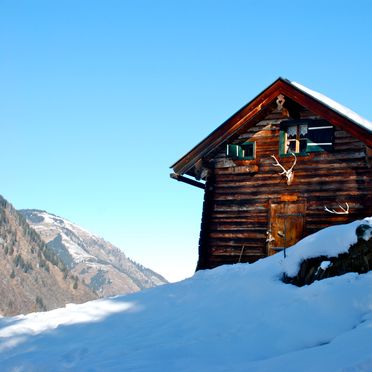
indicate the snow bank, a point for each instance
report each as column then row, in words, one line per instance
column 329, row 242
column 233, row 318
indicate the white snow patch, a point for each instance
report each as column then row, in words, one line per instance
column 77, row 252
column 51, row 220
column 35, row 323
column 367, row 234
column 54, row 223
column 324, row 265
column 336, row 106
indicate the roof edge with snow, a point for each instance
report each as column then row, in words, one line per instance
column 318, row 103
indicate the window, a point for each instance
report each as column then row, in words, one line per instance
column 296, row 138
column 304, row 136
column 244, row 151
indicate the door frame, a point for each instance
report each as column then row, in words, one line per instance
column 300, row 201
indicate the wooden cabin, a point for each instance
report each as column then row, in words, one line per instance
column 289, row 163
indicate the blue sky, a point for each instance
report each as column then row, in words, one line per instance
column 99, row 98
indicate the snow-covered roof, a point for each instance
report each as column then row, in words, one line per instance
column 344, row 111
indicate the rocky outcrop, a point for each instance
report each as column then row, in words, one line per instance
column 358, row 259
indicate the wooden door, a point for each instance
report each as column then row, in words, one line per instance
column 286, row 225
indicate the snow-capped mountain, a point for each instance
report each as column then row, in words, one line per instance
column 32, row 277
column 98, row 264
column 236, row 318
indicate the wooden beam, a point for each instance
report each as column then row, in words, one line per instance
column 189, row 181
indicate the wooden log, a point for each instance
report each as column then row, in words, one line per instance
column 241, row 191
column 187, row 180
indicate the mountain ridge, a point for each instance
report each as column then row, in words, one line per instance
column 97, row 263
column 33, row 278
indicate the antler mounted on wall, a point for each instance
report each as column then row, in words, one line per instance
column 289, row 174
column 342, row 211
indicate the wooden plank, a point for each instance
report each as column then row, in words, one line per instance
column 234, row 244
column 235, row 234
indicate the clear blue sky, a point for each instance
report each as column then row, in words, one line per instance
column 99, row 98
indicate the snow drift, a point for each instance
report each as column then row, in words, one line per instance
column 233, row 318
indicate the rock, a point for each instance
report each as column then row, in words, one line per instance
column 358, row 259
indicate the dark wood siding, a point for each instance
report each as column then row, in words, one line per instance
column 236, row 213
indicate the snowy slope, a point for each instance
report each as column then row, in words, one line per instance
column 103, row 267
column 233, row 318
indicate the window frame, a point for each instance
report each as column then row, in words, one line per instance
column 240, row 151
column 311, row 146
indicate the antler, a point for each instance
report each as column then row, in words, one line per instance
column 288, row 173
column 343, row 210
column 269, row 238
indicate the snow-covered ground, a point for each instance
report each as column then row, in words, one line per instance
column 233, row 318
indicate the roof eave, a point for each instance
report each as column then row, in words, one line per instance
column 254, row 107
column 229, row 126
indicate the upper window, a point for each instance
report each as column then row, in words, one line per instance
column 243, row 151
column 303, row 136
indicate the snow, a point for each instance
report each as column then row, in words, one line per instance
column 324, row 265
column 54, row 220
column 52, row 224
column 233, row 318
column 336, row 106
column 329, row 242
column 77, row 253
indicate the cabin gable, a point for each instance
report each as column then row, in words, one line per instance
column 260, row 106
column 281, row 175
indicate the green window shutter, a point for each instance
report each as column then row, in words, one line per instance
column 234, row 151
column 282, row 142
column 244, row 151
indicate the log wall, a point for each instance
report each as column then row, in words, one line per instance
column 238, row 194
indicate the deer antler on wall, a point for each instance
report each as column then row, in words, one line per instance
column 343, row 210
column 289, row 174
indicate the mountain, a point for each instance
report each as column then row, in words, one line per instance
column 237, row 318
column 99, row 265
column 32, row 276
